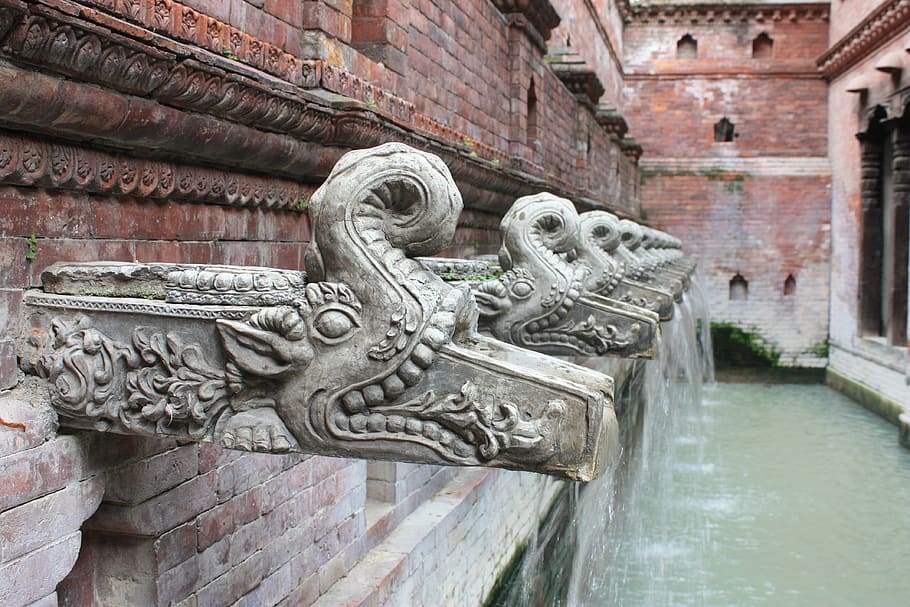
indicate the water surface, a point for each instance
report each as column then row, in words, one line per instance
column 763, row 495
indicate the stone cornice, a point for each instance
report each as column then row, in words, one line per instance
column 716, row 12
column 579, row 77
column 539, row 13
column 129, row 88
column 631, row 148
column 882, row 25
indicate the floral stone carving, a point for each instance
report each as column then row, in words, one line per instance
column 541, row 300
column 368, row 355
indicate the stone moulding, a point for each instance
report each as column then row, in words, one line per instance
column 367, row 355
column 539, row 13
column 540, row 300
column 886, row 22
column 714, row 12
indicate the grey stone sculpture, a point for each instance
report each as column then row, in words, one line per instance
column 366, row 355
column 542, row 299
column 615, row 266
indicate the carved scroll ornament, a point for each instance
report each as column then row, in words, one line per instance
column 367, row 355
column 541, row 301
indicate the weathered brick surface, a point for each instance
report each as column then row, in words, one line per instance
column 759, row 205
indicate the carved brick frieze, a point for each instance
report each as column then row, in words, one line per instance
column 372, row 356
column 888, row 20
column 30, row 161
column 708, row 12
column 541, row 301
column 188, row 25
column 539, row 13
column 631, row 149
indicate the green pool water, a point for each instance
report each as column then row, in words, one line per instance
column 771, row 495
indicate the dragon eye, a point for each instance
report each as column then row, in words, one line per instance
column 334, row 325
column 521, row 289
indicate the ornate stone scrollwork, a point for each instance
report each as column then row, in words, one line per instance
column 370, row 355
column 542, row 301
column 613, row 266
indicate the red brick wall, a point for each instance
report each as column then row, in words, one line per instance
column 759, row 205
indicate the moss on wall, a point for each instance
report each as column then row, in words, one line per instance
column 738, row 347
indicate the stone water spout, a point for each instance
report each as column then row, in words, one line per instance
column 367, row 354
column 543, row 300
column 614, row 266
column 641, row 266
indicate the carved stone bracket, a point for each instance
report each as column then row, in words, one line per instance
column 539, row 13
column 367, row 355
column 579, row 77
column 612, row 122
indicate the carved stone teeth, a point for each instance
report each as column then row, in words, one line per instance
column 353, row 402
column 358, row 423
column 393, row 387
column 395, row 423
column 534, row 326
column 374, row 395
column 413, row 426
column 462, row 449
column 434, row 337
column 431, row 430
column 409, row 372
column 444, row 322
column 342, row 421
column 376, row 422
column 423, row 355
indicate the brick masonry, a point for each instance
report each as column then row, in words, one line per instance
column 759, row 205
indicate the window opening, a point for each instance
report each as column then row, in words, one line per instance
column 687, row 47
column 724, row 130
column 739, row 288
column 790, row 285
column 762, row 46
column 532, row 131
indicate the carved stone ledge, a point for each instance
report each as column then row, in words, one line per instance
column 612, row 122
column 539, row 13
column 369, row 355
column 631, row 148
column 580, row 78
column 541, row 302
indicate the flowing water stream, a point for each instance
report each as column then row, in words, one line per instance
column 732, row 495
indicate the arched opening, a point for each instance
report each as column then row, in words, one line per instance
column 687, row 47
column 790, row 285
column 532, row 133
column 762, row 46
column 724, row 130
column 739, row 288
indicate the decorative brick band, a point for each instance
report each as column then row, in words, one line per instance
column 714, row 12
column 882, row 25
column 27, row 161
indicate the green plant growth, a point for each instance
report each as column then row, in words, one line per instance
column 820, row 349
column 303, row 204
column 738, row 347
column 31, row 248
